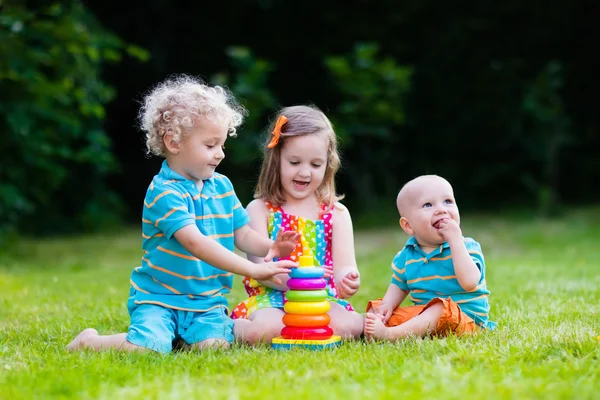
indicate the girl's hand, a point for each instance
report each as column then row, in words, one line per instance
column 267, row 271
column 349, row 284
column 284, row 244
column 328, row 271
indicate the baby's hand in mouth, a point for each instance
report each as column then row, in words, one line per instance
column 437, row 223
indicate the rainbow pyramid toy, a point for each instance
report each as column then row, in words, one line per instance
column 306, row 320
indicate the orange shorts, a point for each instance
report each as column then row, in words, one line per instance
column 453, row 319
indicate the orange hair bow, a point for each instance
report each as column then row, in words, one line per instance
column 277, row 131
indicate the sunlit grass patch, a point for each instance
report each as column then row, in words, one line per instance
column 545, row 287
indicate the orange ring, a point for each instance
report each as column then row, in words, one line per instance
column 306, row 320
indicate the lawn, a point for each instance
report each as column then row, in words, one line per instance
column 543, row 275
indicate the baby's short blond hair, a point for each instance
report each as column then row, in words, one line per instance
column 174, row 105
column 416, row 185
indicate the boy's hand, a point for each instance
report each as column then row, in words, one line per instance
column 450, row 230
column 284, row 244
column 267, row 271
column 384, row 312
column 349, row 284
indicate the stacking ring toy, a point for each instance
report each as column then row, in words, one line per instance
column 306, row 261
column 306, row 321
column 319, row 333
column 307, row 307
column 306, row 295
column 306, row 284
column 307, row 272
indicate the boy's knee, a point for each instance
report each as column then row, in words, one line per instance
column 436, row 308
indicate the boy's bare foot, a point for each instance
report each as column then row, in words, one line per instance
column 374, row 327
column 80, row 341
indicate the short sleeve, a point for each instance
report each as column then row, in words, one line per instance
column 476, row 254
column 240, row 215
column 399, row 271
column 167, row 209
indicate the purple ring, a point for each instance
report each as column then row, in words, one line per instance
column 306, row 284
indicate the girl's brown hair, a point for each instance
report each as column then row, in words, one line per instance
column 301, row 120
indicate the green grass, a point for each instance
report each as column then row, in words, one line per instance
column 545, row 296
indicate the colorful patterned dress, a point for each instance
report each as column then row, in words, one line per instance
column 315, row 240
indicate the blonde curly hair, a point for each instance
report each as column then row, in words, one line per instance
column 174, row 105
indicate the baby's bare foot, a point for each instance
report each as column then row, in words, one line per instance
column 374, row 327
column 81, row 340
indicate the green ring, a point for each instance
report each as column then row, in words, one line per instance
column 306, row 295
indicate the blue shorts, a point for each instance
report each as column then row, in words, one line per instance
column 156, row 327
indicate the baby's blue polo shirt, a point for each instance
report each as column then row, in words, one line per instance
column 170, row 276
column 429, row 276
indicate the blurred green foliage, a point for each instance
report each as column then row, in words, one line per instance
column 373, row 90
column 249, row 82
column 507, row 115
column 548, row 132
column 55, row 153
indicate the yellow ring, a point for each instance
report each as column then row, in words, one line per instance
column 307, row 307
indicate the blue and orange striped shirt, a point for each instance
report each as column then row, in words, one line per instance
column 169, row 275
column 428, row 276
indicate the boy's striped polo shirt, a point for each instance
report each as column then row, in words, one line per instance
column 428, row 276
column 169, row 275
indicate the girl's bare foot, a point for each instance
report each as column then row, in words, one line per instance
column 80, row 341
column 374, row 327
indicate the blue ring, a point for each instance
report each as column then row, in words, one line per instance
column 307, row 272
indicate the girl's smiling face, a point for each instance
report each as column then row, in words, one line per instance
column 303, row 164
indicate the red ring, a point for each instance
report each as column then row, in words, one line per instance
column 320, row 333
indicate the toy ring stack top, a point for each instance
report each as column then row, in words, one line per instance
column 307, row 272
